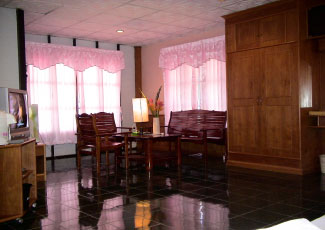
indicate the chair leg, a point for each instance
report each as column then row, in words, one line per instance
column 78, row 159
column 107, row 158
column 98, row 160
column 205, row 151
column 117, row 158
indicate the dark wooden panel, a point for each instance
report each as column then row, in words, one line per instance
column 243, row 74
column 138, row 71
column 292, row 25
column 243, row 130
column 21, row 49
column 279, row 67
column 247, row 35
column 278, row 125
column 230, row 38
column 261, row 11
column 279, row 115
column 272, row 30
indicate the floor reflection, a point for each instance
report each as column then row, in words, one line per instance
column 192, row 197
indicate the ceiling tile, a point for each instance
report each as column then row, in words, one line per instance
column 156, row 4
column 108, row 19
column 243, row 5
column 30, row 17
column 55, row 21
column 140, row 24
column 128, row 31
column 148, row 35
column 144, row 21
column 72, row 33
column 34, row 28
column 214, row 15
column 4, row 2
column 168, row 29
column 191, row 22
column 127, row 40
column 89, row 26
column 34, row 6
column 95, row 4
column 74, row 14
column 222, row 3
column 131, row 11
column 163, row 17
column 101, row 36
column 187, row 8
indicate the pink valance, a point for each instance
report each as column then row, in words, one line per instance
column 194, row 54
column 42, row 56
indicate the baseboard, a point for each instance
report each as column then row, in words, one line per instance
column 62, row 157
column 272, row 168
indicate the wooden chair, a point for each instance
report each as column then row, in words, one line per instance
column 95, row 136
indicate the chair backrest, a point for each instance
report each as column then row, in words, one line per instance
column 104, row 123
column 85, row 129
column 190, row 122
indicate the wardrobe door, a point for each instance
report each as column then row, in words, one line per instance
column 279, row 102
column 243, row 90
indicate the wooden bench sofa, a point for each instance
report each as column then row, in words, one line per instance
column 201, row 127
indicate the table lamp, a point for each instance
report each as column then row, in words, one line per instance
column 5, row 120
column 140, row 111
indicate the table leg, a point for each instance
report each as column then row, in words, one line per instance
column 98, row 160
column 126, row 149
column 149, row 154
column 178, row 150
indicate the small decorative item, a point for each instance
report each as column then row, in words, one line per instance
column 33, row 121
column 5, row 120
column 155, row 107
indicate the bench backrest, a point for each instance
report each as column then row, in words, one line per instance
column 191, row 122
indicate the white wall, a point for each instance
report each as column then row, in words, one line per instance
column 127, row 81
column 9, row 70
column 127, row 85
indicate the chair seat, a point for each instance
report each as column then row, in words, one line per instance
column 110, row 145
column 216, row 140
column 192, row 139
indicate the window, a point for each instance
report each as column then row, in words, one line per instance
column 194, row 76
column 87, row 82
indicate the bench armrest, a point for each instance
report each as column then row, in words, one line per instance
column 129, row 128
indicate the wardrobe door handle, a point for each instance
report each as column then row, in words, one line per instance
column 259, row 101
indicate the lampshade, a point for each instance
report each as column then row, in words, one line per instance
column 140, row 110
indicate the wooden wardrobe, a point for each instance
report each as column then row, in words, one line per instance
column 272, row 83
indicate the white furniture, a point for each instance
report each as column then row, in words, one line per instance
column 300, row 224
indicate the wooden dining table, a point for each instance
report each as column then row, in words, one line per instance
column 148, row 140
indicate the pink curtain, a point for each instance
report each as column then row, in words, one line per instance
column 102, row 93
column 194, row 76
column 44, row 55
column 54, row 90
column 53, row 81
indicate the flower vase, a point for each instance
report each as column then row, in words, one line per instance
column 155, row 125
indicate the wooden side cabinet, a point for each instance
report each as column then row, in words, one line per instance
column 40, row 162
column 17, row 167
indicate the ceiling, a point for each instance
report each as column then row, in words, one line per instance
column 143, row 21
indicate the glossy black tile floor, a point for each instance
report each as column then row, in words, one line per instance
column 192, row 198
